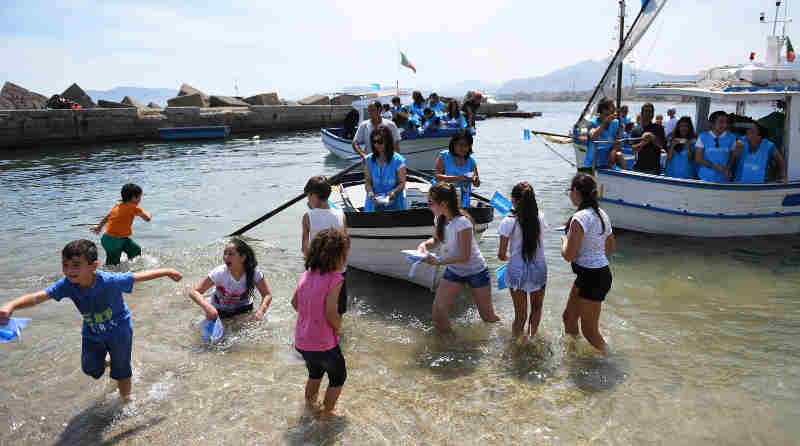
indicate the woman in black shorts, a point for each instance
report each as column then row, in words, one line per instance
column 588, row 240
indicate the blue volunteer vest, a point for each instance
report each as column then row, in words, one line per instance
column 716, row 150
column 384, row 179
column 601, row 150
column 682, row 164
column 752, row 167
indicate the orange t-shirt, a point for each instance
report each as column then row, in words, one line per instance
column 120, row 219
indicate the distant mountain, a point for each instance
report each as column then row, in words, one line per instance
column 143, row 95
column 457, row 90
column 583, row 76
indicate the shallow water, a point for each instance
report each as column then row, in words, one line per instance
column 703, row 332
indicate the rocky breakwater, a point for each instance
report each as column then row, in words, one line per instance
column 129, row 121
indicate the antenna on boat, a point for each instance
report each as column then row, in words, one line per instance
column 621, row 43
column 775, row 42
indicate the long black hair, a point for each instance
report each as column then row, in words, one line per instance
column 453, row 111
column 250, row 263
column 676, row 132
column 587, row 188
column 388, row 142
column 445, row 192
column 527, row 213
column 461, row 135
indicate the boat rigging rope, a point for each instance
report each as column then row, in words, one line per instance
column 557, row 152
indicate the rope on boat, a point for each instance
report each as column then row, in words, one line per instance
column 544, row 141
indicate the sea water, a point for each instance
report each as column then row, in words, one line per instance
column 703, row 333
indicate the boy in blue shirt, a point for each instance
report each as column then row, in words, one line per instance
column 107, row 332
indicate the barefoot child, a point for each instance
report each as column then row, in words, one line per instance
column 116, row 239
column 234, row 283
column 318, row 321
column 107, row 328
column 320, row 217
column 526, row 273
column 465, row 263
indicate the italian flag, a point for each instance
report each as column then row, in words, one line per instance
column 789, row 50
column 404, row 61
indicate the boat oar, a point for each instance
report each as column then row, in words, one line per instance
column 537, row 132
column 331, row 180
column 428, row 176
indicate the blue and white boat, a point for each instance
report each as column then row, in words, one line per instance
column 666, row 205
column 419, row 149
column 204, row 132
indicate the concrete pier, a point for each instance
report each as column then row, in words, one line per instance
column 26, row 128
column 493, row 108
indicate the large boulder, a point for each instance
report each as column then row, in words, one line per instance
column 187, row 89
column 127, row 100
column 189, row 100
column 13, row 97
column 264, row 99
column 153, row 105
column 76, row 94
column 102, row 103
column 344, row 99
column 317, row 99
column 226, row 101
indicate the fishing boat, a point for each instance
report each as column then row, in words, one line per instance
column 202, row 132
column 419, row 149
column 665, row 205
column 378, row 238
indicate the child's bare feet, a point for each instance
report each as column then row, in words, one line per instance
column 314, row 405
column 329, row 413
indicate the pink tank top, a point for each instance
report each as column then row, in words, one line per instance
column 313, row 332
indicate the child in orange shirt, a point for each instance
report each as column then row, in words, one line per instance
column 116, row 239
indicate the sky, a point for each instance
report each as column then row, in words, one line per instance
column 303, row 47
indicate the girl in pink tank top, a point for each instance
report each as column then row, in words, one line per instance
column 318, row 320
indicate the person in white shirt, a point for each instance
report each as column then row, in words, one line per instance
column 589, row 238
column 361, row 142
column 669, row 126
column 321, row 216
column 464, row 262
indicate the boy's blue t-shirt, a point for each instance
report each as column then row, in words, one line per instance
column 101, row 305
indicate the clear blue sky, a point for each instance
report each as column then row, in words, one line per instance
column 307, row 46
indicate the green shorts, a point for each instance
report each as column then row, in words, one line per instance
column 115, row 246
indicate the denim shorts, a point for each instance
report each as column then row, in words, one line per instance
column 526, row 276
column 477, row 280
column 119, row 345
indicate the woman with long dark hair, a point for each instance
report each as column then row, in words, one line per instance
column 526, row 271
column 454, row 119
column 589, row 238
column 464, row 262
column 680, row 151
column 384, row 174
column 457, row 166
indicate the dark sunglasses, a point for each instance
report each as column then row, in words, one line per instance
column 377, row 141
column 716, row 142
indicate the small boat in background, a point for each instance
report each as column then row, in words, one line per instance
column 377, row 239
column 206, row 132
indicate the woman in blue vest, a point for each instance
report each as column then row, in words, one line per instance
column 384, row 174
column 604, row 127
column 417, row 105
column 680, row 151
column 752, row 158
column 713, row 150
column 458, row 167
column 454, row 119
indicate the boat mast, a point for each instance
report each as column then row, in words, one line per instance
column 622, row 60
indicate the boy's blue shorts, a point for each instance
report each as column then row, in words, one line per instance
column 119, row 346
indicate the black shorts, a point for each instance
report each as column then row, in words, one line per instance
column 343, row 295
column 592, row 283
column 330, row 361
column 225, row 314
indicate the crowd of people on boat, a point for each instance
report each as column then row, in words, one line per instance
column 723, row 154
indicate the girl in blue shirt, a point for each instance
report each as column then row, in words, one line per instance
column 680, row 152
column 752, row 158
column 458, row 167
column 384, row 174
column 454, row 119
column 604, row 127
column 713, row 150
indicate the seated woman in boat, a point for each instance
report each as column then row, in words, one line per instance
column 713, row 150
column 386, row 111
column 384, row 174
column 754, row 155
column 454, row 119
column 417, row 105
column 456, row 166
column 626, row 133
column 680, row 151
column 432, row 122
column 435, row 104
column 623, row 116
column 604, row 127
